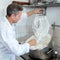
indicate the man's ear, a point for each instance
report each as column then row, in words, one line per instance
column 13, row 16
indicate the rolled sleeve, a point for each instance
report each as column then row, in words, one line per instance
column 23, row 48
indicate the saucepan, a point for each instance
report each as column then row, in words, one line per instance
column 39, row 54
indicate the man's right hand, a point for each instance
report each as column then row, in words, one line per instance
column 32, row 42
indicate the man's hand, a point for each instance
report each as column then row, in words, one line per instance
column 38, row 11
column 32, row 42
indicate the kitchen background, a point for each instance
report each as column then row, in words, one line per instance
column 24, row 27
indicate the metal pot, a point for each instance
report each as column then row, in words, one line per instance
column 49, row 1
column 37, row 54
column 33, row 1
column 40, row 54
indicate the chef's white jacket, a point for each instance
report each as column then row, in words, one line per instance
column 9, row 46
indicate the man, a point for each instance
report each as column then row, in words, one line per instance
column 9, row 46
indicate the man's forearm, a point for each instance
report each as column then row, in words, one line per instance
column 30, row 13
column 36, row 11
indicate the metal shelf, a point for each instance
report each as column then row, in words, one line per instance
column 43, row 5
column 24, row 4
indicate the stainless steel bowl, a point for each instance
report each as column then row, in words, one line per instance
column 37, row 54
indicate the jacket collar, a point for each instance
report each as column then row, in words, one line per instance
column 7, row 22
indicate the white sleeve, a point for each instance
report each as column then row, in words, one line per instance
column 12, row 43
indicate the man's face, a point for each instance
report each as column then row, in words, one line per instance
column 17, row 16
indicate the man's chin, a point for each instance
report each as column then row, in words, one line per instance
column 15, row 21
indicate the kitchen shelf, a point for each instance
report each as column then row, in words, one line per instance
column 25, row 4
column 42, row 5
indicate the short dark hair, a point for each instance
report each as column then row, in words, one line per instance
column 13, row 9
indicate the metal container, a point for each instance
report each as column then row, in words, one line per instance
column 33, row 1
column 49, row 1
column 41, row 54
column 37, row 54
